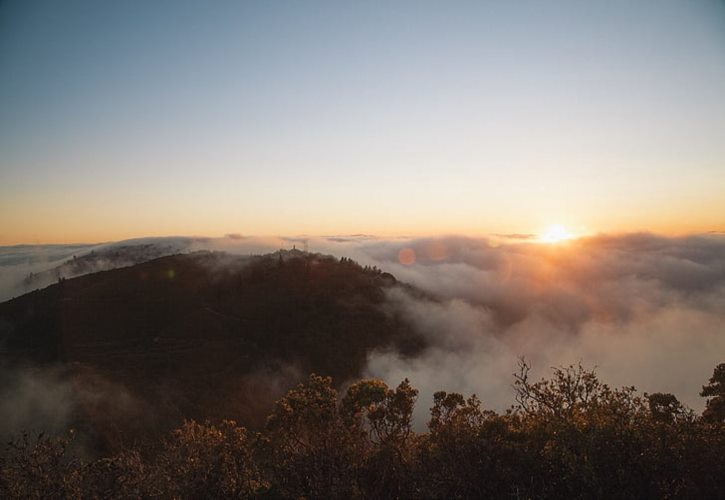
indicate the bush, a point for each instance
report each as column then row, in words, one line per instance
column 569, row 436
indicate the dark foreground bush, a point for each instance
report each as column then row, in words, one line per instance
column 569, row 436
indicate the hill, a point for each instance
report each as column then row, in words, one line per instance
column 202, row 335
column 25, row 268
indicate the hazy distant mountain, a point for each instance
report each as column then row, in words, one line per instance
column 201, row 335
column 24, row 268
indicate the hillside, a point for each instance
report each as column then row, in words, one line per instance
column 202, row 335
column 30, row 267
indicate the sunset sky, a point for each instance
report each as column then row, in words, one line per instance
column 126, row 119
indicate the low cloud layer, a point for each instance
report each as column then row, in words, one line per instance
column 646, row 310
column 52, row 399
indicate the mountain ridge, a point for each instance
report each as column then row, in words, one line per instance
column 207, row 334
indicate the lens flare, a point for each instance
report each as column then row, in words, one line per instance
column 406, row 256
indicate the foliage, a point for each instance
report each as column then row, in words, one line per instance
column 306, row 451
column 715, row 390
column 203, row 460
column 383, row 418
column 569, row 436
column 123, row 475
column 40, row 467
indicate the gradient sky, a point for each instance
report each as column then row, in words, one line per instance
column 137, row 118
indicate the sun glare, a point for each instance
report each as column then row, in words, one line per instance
column 555, row 233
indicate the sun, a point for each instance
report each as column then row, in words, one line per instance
column 555, row 233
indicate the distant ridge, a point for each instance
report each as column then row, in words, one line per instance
column 206, row 334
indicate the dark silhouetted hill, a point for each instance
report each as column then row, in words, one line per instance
column 202, row 335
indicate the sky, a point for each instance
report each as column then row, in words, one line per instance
column 127, row 119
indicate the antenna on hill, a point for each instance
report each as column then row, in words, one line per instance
column 306, row 246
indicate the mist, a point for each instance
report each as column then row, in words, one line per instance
column 53, row 399
column 644, row 309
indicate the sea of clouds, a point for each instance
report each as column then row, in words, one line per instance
column 646, row 310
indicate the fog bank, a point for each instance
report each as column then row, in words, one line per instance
column 646, row 310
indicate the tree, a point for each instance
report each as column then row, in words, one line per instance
column 470, row 452
column 715, row 391
column 204, row 460
column 306, row 451
column 383, row 417
column 124, row 475
column 666, row 408
column 388, row 413
column 584, row 431
column 40, row 467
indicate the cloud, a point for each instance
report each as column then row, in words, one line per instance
column 51, row 399
column 647, row 310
